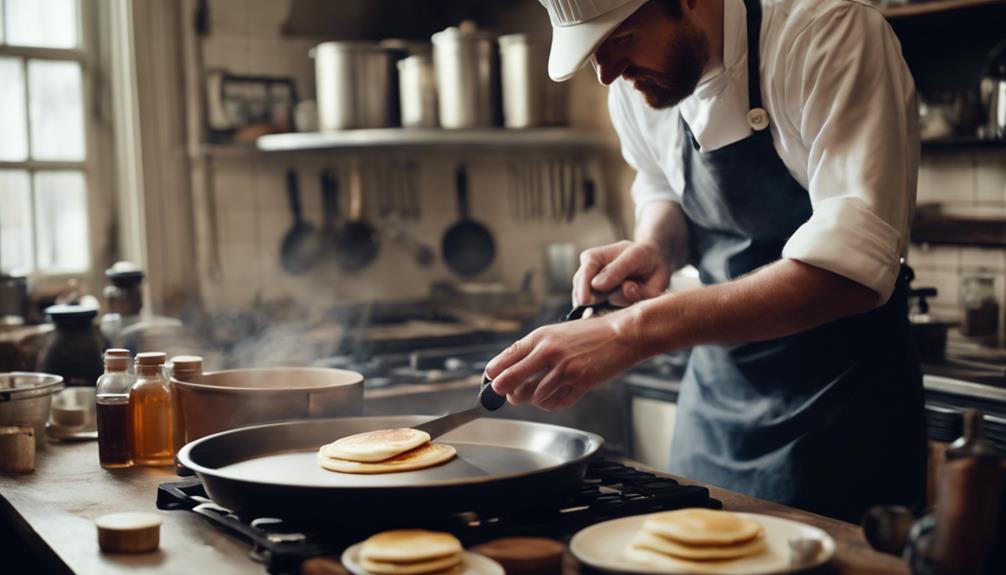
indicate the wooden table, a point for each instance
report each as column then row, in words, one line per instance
column 50, row 513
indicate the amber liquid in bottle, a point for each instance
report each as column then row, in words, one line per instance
column 114, row 433
column 150, row 403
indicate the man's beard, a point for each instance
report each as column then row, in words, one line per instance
column 685, row 57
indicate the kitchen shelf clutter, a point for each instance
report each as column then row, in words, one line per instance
column 427, row 137
column 917, row 8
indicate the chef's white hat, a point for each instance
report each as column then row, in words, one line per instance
column 579, row 27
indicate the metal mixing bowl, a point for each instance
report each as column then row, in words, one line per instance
column 25, row 399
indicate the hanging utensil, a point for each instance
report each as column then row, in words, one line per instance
column 468, row 247
column 357, row 243
column 330, row 210
column 301, row 245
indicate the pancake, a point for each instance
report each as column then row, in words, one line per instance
column 377, row 445
column 428, row 455
column 651, row 542
column 697, row 526
column 409, row 545
column 671, row 564
column 416, row 568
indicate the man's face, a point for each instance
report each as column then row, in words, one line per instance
column 661, row 54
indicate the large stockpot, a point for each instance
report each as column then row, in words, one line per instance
column 467, row 66
column 357, row 85
column 530, row 98
column 234, row 398
column 26, row 398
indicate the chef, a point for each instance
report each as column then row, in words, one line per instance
column 775, row 148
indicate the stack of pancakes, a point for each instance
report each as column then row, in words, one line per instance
column 411, row 552
column 384, row 451
column 696, row 536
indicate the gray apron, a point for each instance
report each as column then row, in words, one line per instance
column 829, row 420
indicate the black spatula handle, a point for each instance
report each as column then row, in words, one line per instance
column 488, row 396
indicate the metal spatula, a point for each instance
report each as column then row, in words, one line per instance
column 488, row 401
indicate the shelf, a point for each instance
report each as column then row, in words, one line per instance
column 963, row 145
column 934, row 7
column 938, row 229
column 415, row 137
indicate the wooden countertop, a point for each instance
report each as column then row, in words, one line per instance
column 53, row 510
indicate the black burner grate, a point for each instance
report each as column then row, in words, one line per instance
column 610, row 489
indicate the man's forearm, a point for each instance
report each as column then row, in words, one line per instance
column 780, row 299
column 663, row 224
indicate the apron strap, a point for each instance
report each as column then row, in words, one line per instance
column 754, row 53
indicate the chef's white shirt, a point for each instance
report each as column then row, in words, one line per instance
column 844, row 121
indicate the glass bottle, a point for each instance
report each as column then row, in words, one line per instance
column 981, row 307
column 150, row 406
column 188, row 368
column 114, row 421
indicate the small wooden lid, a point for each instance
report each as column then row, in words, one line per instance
column 525, row 555
column 129, row 532
column 151, row 358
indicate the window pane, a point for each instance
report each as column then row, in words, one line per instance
column 15, row 220
column 57, row 110
column 61, row 221
column 44, row 23
column 14, row 142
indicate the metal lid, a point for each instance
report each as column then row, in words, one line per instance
column 125, row 274
column 465, row 31
column 67, row 313
column 18, row 385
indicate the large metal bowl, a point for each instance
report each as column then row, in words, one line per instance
column 235, row 398
column 25, row 399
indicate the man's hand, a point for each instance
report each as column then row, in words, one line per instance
column 631, row 271
column 553, row 366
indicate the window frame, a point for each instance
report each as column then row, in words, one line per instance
column 97, row 146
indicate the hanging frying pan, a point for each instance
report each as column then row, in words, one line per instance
column 468, row 247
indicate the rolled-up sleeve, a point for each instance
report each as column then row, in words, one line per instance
column 850, row 95
column 651, row 183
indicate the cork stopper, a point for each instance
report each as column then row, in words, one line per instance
column 151, row 358
column 187, row 363
column 117, row 359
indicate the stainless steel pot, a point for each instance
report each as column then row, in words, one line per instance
column 467, row 77
column 530, row 98
column 235, row 398
column 417, row 92
column 25, row 399
column 357, row 85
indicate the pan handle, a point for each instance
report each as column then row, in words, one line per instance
column 329, row 197
column 461, row 182
column 488, row 397
column 293, row 193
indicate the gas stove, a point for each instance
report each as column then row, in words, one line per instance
column 610, row 489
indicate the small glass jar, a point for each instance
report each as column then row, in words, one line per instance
column 113, row 413
column 151, row 409
column 980, row 306
column 187, row 368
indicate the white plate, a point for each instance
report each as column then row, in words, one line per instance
column 473, row 563
column 604, row 545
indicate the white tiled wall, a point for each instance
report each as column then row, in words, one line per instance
column 966, row 183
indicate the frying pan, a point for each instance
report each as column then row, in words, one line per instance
column 502, row 465
column 468, row 247
column 301, row 245
column 357, row 242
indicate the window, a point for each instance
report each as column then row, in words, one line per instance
column 44, row 155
